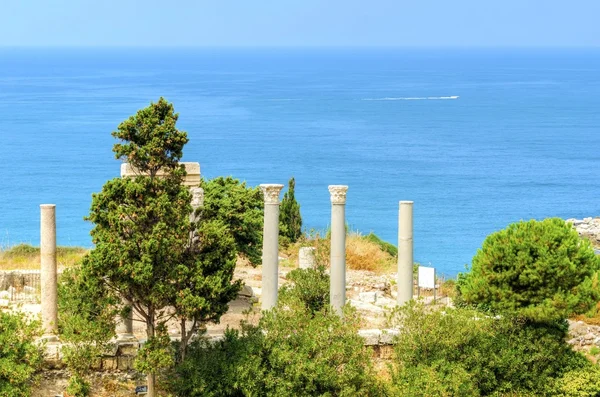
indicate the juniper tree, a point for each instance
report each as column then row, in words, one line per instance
column 147, row 251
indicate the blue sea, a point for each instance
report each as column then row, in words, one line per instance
column 476, row 138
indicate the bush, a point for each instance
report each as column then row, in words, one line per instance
column 540, row 270
column 310, row 287
column 20, row 357
column 584, row 382
column 299, row 348
column 462, row 352
column 87, row 310
column 384, row 245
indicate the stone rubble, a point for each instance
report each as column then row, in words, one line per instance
column 588, row 228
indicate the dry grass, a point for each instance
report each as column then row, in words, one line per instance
column 27, row 257
column 361, row 253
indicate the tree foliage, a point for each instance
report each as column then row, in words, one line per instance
column 540, row 270
column 240, row 208
column 20, row 357
column 146, row 248
column 290, row 220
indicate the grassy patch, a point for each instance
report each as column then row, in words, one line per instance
column 362, row 252
column 27, row 257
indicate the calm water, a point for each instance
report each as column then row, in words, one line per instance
column 521, row 140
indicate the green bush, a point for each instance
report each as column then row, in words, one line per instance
column 299, row 348
column 86, row 321
column 539, row 270
column 462, row 352
column 583, row 382
column 20, row 357
column 310, row 287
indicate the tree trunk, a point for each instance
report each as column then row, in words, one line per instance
column 184, row 340
column 150, row 377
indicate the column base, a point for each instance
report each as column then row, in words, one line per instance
column 126, row 338
column 49, row 338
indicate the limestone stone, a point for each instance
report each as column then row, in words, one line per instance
column 246, row 291
column 367, row 297
column 4, row 302
column 192, row 179
column 371, row 336
column 306, row 257
column 5, row 295
column 388, row 336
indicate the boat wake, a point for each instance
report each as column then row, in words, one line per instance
column 423, row 98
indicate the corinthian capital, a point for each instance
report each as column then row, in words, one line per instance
column 338, row 193
column 271, row 193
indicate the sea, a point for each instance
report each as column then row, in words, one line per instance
column 477, row 138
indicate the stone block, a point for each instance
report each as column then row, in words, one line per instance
column 125, row 363
column 110, row 363
column 127, row 348
column 192, row 179
column 370, row 336
column 367, row 297
column 388, row 336
column 306, row 257
column 4, row 302
column 4, row 295
column 246, row 292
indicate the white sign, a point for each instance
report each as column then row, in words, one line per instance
column 426, row 277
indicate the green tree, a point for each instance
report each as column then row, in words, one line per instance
column 290, row 224
column 541, row 270
column 240, row 209
column 146, row 248
column 20, row 357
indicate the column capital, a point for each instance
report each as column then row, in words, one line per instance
column 338, row 194
column 271, row 192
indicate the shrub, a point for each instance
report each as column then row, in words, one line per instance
column 583, row 382
column 299, row 348
column 384, row 245
column 20, row 357
column 462, row 352
column 310, row 287
column 86, row 323
column 540, row 270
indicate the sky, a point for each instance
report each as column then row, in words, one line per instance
column 251, row 23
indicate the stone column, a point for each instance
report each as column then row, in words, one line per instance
column 306, row 258
column 338, row 247
column 270, row 255
column 405, row 252
column 124, row 327
column 48, row 275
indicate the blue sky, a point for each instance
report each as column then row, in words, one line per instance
column 300, row 23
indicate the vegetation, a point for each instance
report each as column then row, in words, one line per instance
column 25, row 256
column 86, row 324
column 362, row 252
column 541, row 271
column 147, row 251
column 240, row 209
column 299, row 348
column 483, row 355
column 20, row 357
column 290, row 220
